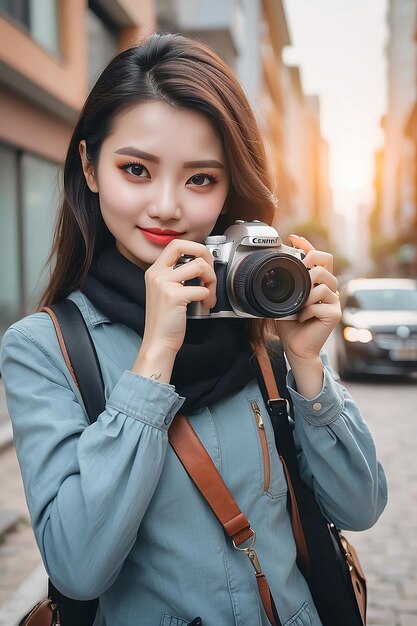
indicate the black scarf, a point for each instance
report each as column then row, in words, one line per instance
column 214, row 360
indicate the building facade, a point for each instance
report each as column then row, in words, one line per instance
column 251, row 36
column 394, row 219
column 50, row 52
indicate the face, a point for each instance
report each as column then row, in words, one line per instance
column 161, row 175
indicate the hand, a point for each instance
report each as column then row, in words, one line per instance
column 303, row 339
column 166, row 304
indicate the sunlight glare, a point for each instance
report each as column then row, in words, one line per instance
column 352, row 167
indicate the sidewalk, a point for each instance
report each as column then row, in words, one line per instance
column 24, row 597
column 5, row 426
column 19, row 556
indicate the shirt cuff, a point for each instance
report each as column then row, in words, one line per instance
column 145, row 399
column 325, row 408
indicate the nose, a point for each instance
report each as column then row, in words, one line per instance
column 165, row 203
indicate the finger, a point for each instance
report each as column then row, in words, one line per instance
column 317, row 257
column 321, row 293
column 319, row 275
column 198, row 268
column 325, row 313
column 301, row 242
column 177, row 247
column 197, row 294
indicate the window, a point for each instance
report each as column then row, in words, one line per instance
column 9, row 240
column 39, row 201
column 18, row 10
column 388, row 299
column 101, row 41
column 29, row 186
column 39, row 18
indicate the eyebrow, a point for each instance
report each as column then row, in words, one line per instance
column 140, row 154
column 206, row 163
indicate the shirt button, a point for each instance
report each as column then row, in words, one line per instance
column 317, row 406
column 168, row 420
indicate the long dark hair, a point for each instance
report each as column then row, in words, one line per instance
column 185, row 74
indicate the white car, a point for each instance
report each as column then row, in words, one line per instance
column 378, row 330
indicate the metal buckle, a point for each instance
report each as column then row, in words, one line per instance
column 287, row 404
column 253, row 557
column 252, row 542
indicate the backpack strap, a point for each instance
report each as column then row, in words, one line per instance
column 278, row 407
column 80, row 354
column 81, row 359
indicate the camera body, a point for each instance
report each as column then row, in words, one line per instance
column 257, row 275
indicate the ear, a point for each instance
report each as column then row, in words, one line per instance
column 88, row 167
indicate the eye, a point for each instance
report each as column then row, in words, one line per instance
column 202, row 180
column 136, row 169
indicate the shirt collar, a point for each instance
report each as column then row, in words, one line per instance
column 91, row 314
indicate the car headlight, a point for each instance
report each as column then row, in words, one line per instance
column 351, row 334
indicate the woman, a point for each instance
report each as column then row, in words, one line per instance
column 165, row 152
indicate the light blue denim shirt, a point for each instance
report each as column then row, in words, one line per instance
column 114, row 513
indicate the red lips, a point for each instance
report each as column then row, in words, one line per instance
column 159, row 236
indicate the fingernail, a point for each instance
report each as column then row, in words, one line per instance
column 297, row 236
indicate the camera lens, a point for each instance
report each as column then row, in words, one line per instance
column 270, row 284
column 278, row 285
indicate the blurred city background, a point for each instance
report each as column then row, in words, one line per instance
column 334, row 87
column 351, row 189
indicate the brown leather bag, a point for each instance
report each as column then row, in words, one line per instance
column 44, row 613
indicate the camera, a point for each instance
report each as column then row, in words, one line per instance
column 257, row 275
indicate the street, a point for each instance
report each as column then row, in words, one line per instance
column 387, row 551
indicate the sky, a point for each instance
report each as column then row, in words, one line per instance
column 340, row 48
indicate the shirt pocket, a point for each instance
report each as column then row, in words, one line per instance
column 170, row 620
column 303, row 617
column 272, row 475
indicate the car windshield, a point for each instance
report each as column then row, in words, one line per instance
column 386, row 299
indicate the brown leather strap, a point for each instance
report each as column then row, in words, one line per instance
column 265, row 594
column 268, row 373
column 274, row 394
column 297, row 529
column 207, row 479
column 50, row 312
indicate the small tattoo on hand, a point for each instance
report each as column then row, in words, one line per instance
column 155, row 376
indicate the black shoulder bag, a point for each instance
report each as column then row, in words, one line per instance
column 328, row 562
